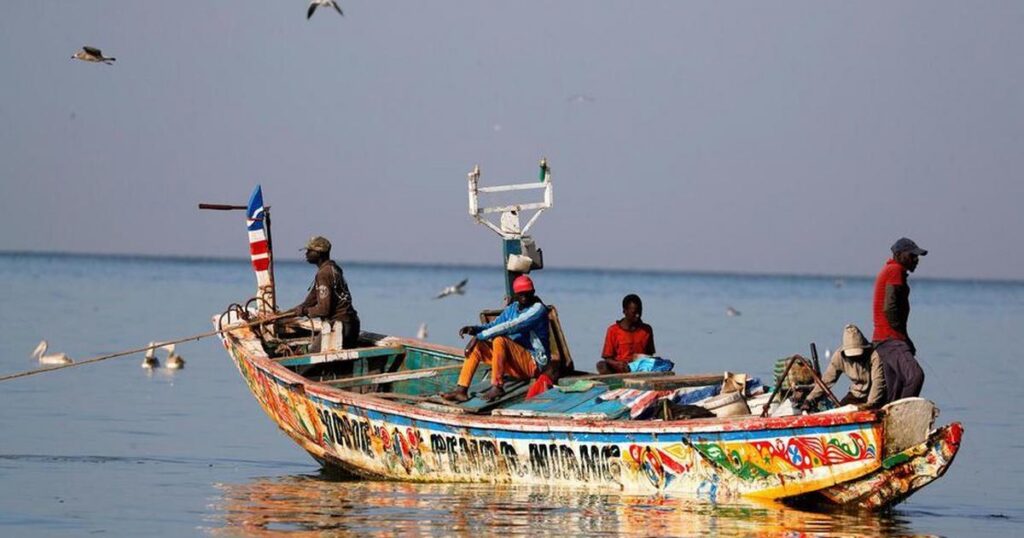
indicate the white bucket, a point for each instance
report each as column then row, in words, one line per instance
column 729, row 404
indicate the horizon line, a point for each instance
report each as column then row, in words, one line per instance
column 466, row 265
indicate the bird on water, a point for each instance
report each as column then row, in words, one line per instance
column 174, row 361
column 150, row 360
column 52, row 358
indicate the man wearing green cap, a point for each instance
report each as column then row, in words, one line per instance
column 329, row 298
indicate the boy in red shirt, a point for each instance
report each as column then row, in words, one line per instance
column 626, row 338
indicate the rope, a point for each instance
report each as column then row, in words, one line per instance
column 141, row 349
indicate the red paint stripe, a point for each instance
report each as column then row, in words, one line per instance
column 261, row 264
column 258, row 247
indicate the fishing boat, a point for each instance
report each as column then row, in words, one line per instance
column 373, row 411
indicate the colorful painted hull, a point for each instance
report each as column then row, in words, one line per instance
column 840, row 456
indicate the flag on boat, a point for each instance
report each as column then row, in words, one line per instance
column 257, row 221
column 259, row 248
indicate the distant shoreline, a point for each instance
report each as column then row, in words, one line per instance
column 566, row 269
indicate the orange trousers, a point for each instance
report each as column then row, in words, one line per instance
column 504, row 356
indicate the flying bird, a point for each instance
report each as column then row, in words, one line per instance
column 174, row 361
column 580, row 98
column 52, row 358
column 422, row 332
column 325, row 3
column 732, row 312
column 92, row 54
column 457, row 289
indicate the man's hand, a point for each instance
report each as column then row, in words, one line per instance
column 470, row 345
column 807, row 406
column 470, row 330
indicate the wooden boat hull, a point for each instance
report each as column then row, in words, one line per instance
column 838, row 457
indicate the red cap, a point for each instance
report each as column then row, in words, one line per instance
column 522, row 284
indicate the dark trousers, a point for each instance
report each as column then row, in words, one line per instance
column 350, row 334
column 903, row 374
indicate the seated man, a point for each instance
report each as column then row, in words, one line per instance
column 328, row 296
column 862, row 365
column 626, row 338
column 515, row 343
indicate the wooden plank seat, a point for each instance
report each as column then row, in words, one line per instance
column 341, row 355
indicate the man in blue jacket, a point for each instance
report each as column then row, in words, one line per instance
column 515, row 343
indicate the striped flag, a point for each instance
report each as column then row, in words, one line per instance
column 259, row 249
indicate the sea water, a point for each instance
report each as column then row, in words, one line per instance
column 112, row 448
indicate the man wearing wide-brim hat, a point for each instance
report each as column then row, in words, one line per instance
column 329, row 298
column 859, row 361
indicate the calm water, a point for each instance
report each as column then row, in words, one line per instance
column 108, row 449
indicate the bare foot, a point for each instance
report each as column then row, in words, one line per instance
column 459, row 395
column 493, row 393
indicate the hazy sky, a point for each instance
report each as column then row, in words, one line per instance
column 752, row 137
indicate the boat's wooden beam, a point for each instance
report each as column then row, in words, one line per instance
column 568, row 380
column 673, row 381
column 341, row 355
column 378, row 379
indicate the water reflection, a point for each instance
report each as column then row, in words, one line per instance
column 318, row 505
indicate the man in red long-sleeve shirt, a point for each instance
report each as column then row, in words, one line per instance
column 903, row 375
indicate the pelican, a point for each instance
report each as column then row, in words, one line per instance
column 150, row 360
column 732, row 312
column 92, row 54
column 174, row 361
column 325, row 3
column 53, row 358
column 422, row 332
column 456, row 289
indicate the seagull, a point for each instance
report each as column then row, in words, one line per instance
column 422, row 332
column 457, row 289
column 325, row 3
column 150, row 361
column 92, row 54
column 174, row 361
column 53, row 358
column 732, row 312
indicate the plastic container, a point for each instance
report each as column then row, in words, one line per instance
column 729, row 404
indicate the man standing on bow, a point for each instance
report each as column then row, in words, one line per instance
column 903, row 375
column 515, row 343
column 329, row 298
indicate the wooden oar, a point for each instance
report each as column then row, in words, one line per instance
column 141, row 349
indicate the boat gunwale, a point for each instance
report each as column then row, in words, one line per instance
column 716, row 425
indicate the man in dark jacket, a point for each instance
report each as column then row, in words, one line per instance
column 329, row 298
column 903, row 375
